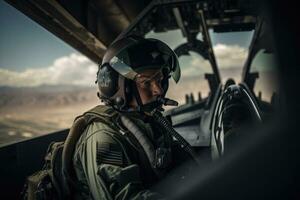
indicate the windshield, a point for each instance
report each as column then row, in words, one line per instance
column 44, row 83
column 266, row 85
column 231, row 50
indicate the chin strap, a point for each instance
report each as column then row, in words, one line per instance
column 137, row 97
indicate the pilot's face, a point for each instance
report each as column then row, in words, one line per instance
column 149, row 85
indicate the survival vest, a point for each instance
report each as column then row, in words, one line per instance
column 54, row 180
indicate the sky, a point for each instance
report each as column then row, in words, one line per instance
column 230, row 49
column 32, row 56
column 26, row 44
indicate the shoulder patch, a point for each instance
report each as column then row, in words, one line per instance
column 109, row 153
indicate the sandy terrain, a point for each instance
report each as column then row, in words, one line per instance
column 28, row 112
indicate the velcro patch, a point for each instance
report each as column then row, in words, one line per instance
column 109, row 153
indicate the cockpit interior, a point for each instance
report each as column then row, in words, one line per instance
column 237, row 94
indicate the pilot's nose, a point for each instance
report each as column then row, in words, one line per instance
column 157, row 89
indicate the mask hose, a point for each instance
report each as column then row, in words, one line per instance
column 152, row 154
column 159, row 118
column 141, row 137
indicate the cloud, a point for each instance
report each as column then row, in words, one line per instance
column 77, row 69
column 73, row 69
column 227, row 56
column 194, row 65
column 230, row 56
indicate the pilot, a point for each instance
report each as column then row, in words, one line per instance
column 125, row 151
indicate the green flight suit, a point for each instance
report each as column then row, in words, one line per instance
column 108, row 165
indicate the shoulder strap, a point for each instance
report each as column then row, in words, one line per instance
column 104, row 114
column 111, row 117
column 101, row 113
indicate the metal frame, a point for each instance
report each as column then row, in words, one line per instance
column 197, row 46
column 252, row 52
column 53, row 17
column 211, row 55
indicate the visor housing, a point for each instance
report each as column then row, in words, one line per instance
column 136, row 57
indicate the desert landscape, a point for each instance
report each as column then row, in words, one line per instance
column 31, row 111
column 26, row 112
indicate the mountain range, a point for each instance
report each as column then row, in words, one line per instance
column 45, row 95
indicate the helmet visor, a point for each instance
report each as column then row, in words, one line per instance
column 135, row 58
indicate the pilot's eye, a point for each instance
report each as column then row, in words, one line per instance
column 146, row 84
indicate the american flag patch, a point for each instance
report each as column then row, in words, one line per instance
column 109, row 153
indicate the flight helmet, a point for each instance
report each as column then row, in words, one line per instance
column 123, row 61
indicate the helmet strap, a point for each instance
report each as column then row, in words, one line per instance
column 137, row 97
